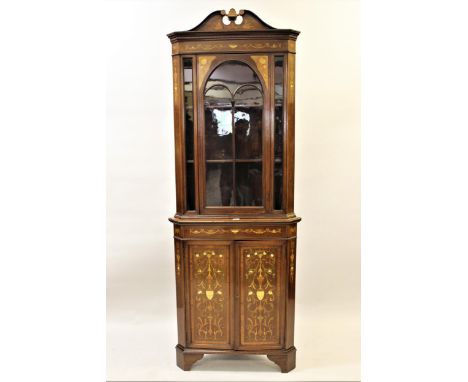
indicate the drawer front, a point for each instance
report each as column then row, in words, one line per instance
column 234, row 232
column 210, row 294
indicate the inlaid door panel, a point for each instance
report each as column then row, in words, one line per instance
column 210, row 294
column 261, row 297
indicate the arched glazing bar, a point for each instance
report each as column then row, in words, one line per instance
column 233, row 136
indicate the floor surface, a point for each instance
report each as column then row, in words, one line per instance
column 328, row 350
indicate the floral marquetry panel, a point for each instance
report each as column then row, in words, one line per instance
column 260, row 293
column 209, row 294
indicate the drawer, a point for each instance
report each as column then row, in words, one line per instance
column 232, row 232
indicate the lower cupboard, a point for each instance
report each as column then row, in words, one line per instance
column 235, row 295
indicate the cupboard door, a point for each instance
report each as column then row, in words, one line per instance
column 261, row 293
column 209, row 280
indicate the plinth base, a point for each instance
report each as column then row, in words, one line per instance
column 285, row 359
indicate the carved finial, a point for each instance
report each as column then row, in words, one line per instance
column 232, row 14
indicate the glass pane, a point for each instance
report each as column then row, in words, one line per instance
column 190, row 184
column 233, row 134
column 218, row 123
column 248, row 114
column 279, row 128
column 188, row 111
column 219, row 184
column 278, row 186
column 249, row 184
column 233, row 74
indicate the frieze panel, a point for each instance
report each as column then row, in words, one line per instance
column 234, row 232
column 232, row 46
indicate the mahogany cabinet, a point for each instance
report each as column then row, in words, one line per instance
column 235, row 226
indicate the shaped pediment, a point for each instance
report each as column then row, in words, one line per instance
column 220, row 21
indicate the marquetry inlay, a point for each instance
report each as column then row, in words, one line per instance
column 204, row 63
column 234, row 46
column 209, row 295
column 221, row 231
column 177, row 250
column 262, row 66
column 292, row 46
column 175, row 71
column 292, row 69
column 260, row 321
column 292, row 255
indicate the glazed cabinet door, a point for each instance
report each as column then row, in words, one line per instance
column 260, row 294
column 209, row 280
column 233, row 134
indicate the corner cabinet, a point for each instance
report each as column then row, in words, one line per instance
column 235, row 227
